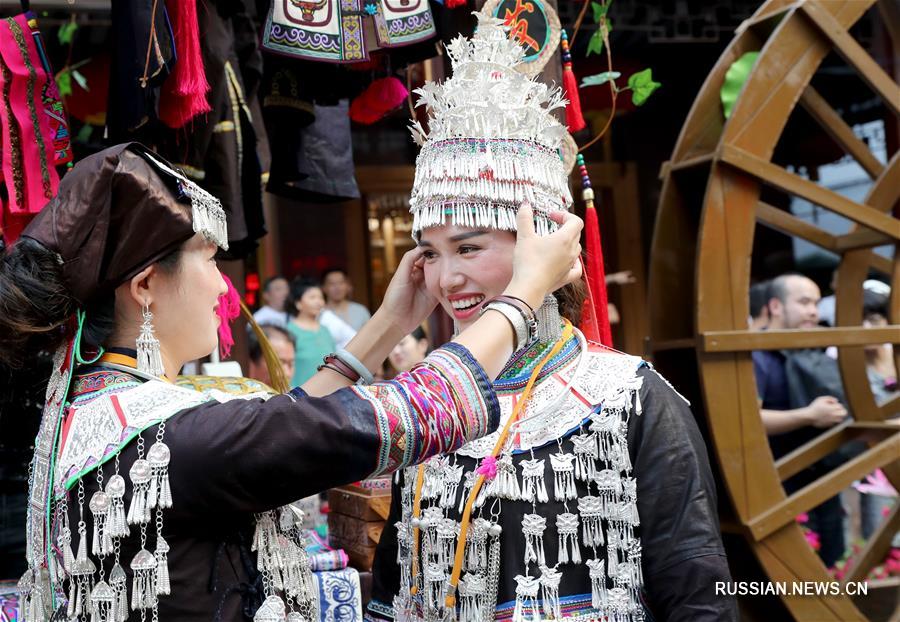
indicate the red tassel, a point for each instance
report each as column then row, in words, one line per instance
column 380, row 98
column 574, row 118
column 229, row 308
column 184, row 92
column 452, row 4
column 595, row 314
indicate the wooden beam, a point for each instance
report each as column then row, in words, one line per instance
column 823, row 488
column 819, row 447
column 891, row 408
column 842, row 133
column 794, row 339
column 876, row 548
column 687, row 163
column 861, row 238
column 830, row 440
column 763, row 15
column 855, row 55
column 773, row 174
column 788, row 224
column 672, row 344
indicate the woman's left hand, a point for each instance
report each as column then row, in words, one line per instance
column 406, row 302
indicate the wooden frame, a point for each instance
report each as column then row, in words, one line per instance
column 700, row 277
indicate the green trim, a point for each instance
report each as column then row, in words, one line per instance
column 77, row 347
column 69, row 483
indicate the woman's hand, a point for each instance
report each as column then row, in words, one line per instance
column 406, row 302
column 544, row 264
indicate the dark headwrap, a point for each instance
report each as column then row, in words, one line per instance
column 117, row 212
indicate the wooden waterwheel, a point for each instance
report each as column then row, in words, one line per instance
column 700, row 276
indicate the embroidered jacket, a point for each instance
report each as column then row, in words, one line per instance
column 603, row 507
column 206, row 477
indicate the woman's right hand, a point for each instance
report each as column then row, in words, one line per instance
column 544, row 264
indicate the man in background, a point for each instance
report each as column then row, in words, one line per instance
column 274, row 295
column 283, row 345
column 336, row 286
column 786, row 382
column 759, row 307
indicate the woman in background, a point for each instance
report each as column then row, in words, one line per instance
column 312, row 340
column 410, row 351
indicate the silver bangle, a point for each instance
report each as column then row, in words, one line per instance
column 514, row 317
column 365, row 376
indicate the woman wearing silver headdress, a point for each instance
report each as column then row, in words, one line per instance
column 594, row 499
column 149, row 499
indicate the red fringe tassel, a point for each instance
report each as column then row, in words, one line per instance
column 183, row 94
column 574, row 118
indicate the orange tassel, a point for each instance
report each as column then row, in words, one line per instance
column 574, row 118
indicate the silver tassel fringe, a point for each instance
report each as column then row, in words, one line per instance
column 149, row 359
column 567, row 528
column 550, row 579
column 563, row 476
column 548, row 320
column 533, row 526
column 533, row 486
column 526, row 599
column 143, row 587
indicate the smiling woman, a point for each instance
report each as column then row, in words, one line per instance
column 175, row 486
column 594, row 500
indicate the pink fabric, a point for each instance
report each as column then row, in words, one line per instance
column 228, row 310
column 38, row 182
column 378, row 100
column 488, row 468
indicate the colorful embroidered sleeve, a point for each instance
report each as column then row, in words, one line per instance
column 250, row 455
column 437, row 407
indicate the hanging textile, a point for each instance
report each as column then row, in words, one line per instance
column 35, row 132
column 339, row 32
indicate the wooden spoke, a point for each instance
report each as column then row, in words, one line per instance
column 835, row 126
column 794, row 184
column 680, row 165
column 788, row 224
column 812, row 495
column 861, row 238
column 746, row 340
column 854, row 54
column 876, row 548
column 828, row 441
column 819, row 447
column 891, row 408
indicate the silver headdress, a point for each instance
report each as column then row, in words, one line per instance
column 493, row 141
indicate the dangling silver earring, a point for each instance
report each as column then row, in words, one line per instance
column 149, row 360
column 455, row 328
column 548, row 320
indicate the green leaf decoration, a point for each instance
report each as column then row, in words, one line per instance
column 600, row 78
column 66, row 32
column 595, row 45
column 735, row 77
column 84, row 134
column 64, row 82
column 642, row 86
column 81, row 80
column 599, row 10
